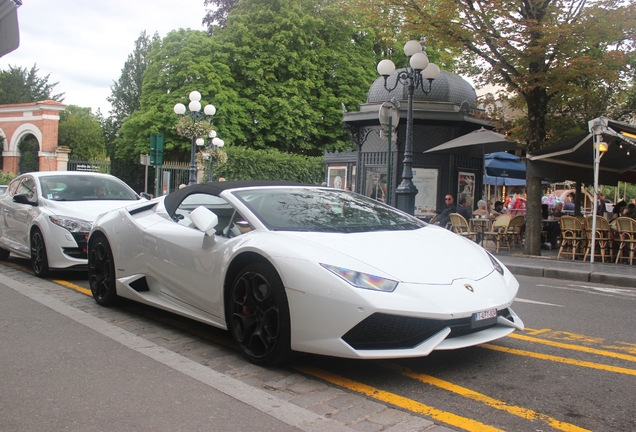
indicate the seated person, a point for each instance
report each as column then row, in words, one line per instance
column 618, row 210
column 482, row 210
column 630, row 211
column 444, row 216
column 493, row 213
column 499, row 207
column 553, row 228
column 462, row 208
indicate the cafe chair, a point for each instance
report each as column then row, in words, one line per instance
column 626, row 228
column 603, row 238
column 515, row 230
column 460, row 226
column 499, row 231
column 573, row 238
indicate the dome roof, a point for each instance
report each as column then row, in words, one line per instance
column 448, row 87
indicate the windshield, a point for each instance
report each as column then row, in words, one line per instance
column 323, row 210
column 85, row 188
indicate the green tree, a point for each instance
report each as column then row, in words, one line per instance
column 81, row 131
column 294, row 63
column 19, row 85
column 125, row 99
column 29, row 160
column 278, row 74
column 217, row 16
column 539, row 50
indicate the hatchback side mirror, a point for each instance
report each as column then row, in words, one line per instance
column 25, row 199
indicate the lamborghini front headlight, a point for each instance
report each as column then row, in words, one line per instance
column 363, row 280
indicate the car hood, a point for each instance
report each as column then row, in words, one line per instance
column 430, row 254
column 87, row 210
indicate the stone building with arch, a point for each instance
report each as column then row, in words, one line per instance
column 37, row 119
column 448, row 111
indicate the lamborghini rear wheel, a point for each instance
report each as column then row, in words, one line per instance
column 259, row 315
column 101, row 272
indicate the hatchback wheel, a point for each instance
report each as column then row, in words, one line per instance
column 39, row 259
column 101, row 272
column 258, row 315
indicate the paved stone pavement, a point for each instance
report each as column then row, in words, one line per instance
column 304, row 403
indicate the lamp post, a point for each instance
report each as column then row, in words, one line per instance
column 420, row 70
column 197, row 116
column 215, row 143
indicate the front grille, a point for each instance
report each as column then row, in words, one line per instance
column 81, row 251
column 383, row 331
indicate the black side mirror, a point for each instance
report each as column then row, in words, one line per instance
column 145, row 195
column 25, row 199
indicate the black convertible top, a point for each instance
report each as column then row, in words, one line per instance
column 172, row 200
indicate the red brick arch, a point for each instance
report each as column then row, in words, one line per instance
column 39, row 119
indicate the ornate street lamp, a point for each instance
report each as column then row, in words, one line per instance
column 215, row 144
column 194, row 132
column 420, row 70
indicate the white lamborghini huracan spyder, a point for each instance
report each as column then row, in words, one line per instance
column 296, row 268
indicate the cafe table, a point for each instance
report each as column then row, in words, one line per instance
column 481, row 225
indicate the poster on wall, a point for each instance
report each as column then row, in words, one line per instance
column 425, row 180
column 375, row 182
column 337, row 177
column 466, row 189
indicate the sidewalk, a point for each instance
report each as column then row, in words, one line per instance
column 548, row 266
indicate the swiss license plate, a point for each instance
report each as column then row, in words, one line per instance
column 484, row 318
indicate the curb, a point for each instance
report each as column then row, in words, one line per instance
column 572, row 275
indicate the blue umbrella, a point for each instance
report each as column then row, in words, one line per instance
column 503, row 181
column 502, row 164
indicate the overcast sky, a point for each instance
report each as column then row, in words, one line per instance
column 83, row 44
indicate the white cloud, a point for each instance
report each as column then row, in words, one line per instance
column 84, row 44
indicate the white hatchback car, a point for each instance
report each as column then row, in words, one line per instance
column 46, row 216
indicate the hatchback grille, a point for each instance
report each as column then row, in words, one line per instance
column 383, row 331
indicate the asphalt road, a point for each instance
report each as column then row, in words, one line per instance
column 574, row 368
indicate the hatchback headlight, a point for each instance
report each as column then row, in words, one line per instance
column 74, row 225
column 363, row 280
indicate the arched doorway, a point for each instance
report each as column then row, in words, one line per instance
column 29, row 136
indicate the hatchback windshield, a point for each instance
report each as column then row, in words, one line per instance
column 84, row 188
column 324, row 210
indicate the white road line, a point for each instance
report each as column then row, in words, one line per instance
column 596, row 290
column 520, row 300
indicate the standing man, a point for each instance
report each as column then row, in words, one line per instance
column 444, row 216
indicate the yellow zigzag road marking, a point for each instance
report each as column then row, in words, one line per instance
column 561, row 359
column 73, row 286
column 479, row 397
column 392, row 398
column 573, row 347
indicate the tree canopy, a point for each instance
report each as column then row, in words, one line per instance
column 81, row 131
column 540, row 51
column 278, row 73
column 19, row 85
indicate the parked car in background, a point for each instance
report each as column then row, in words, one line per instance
column 3, row 189
column 294, row 268
column 46, row 216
